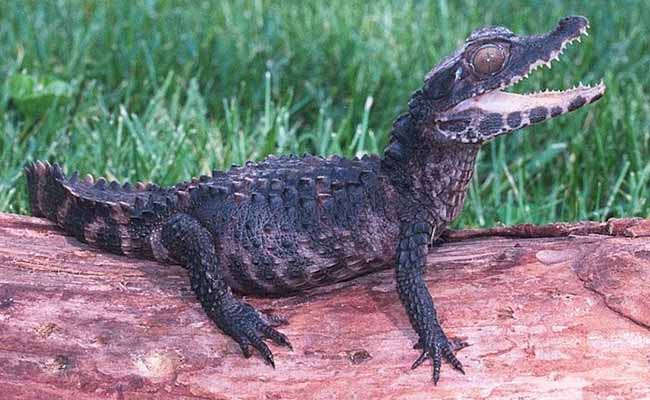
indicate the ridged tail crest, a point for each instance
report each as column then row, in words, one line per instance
column 116, row 218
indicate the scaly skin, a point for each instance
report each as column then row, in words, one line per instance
column 288, row 224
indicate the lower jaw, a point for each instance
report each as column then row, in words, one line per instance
column 505, row 102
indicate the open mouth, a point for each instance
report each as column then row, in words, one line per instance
column 538, row 106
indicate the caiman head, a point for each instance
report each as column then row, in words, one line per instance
column 464, row 99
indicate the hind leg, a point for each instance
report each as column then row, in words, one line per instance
column 189, row 243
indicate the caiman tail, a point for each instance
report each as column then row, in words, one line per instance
column 113, row 217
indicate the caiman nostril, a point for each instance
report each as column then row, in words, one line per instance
column 573, row 22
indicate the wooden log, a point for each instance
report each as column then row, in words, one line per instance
column 544, row 318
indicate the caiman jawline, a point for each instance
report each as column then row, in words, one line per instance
column 562, row 101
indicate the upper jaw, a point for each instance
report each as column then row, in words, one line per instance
column 543, row 50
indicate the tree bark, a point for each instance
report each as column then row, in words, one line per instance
column 565, row 314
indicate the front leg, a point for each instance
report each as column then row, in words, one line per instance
column 411, row 259
column 189, row 243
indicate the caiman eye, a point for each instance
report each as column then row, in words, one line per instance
column 489, row 59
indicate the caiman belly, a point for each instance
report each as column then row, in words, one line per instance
column 295, row 261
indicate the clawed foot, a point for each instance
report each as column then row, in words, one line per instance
column 436, row 347
column 248, row 327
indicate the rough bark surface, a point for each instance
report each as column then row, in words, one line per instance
column 544, row 318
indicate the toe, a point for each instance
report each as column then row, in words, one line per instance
column 276, row 320
column 264, row 350
column 437, row 364
column 449, row 356
column 245, row 349
column 278, row 337
column 420, row 360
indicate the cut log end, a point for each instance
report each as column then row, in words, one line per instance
column 544, row 317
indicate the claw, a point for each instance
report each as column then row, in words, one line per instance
column 449, row 356
column 246, row 350
column 420, row 360
column 269, row 359
column 284, row 341
column 277, row 337
column 437, row 363
column 259, row 344
column 459, row 368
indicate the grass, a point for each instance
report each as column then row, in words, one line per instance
column 165, row 90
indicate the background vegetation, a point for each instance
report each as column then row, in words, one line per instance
column 165, row 90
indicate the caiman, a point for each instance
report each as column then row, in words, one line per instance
column 286, row 224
